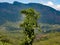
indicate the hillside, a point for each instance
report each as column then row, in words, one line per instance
column 50, row 39
column 15, row 38
column 11, row 12
column 46, row 33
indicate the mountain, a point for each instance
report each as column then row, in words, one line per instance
column 11, row 12
column 10, row 16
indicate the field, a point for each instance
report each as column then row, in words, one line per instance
column 50, row 39
column 15, row 38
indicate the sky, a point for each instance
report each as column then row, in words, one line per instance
column 52, row 3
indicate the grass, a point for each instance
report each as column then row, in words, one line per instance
column 53, row 39
column 15, row 38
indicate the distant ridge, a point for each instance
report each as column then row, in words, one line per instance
column 11, row 12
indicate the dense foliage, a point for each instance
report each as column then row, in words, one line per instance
column 29, row 25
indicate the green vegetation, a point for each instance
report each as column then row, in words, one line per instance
column 11, row 37
column 50, row 39
column 28, row 34
column 15, row 38
column 29, row 25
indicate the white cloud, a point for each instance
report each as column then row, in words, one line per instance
column 51, row 4
column 58, row 7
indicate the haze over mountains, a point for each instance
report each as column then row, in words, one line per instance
column 11, row 12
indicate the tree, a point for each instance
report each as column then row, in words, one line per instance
column 30, row 23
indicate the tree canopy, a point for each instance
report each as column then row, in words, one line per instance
column 30, row 23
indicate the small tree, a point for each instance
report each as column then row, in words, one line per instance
column 30, row 23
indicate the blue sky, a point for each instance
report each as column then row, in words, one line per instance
column 52, row 3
